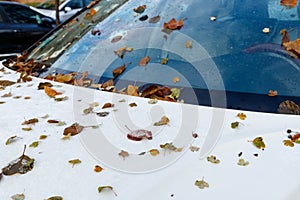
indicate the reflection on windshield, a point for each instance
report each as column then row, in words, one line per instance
column 232, row 46
column 49, row 4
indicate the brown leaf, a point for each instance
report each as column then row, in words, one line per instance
column 121, row 52
column 53, row 121
column 153, row 152
column 123, row 154
column 176, row 79
column 5, row 83
column 51, row 92
column 108, row 84
column 173, row 24
column 116, row 39
column 107, row 105
column 152, row 89
column 144, row 61
column 74, row 129
column 132, row 90
column 154, row 19
column 289, row 107
column 7, row 95
column 118, row 71
column 98, row 168
column 96, row 32
column 30, row 121
column 81, row 80
column 272, row 93
column 140, row 9
column 140, row 134
column 288, row 3
column 64, row 78
column 163, row 121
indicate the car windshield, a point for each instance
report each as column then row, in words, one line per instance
column 49, row 4
column 233, row 54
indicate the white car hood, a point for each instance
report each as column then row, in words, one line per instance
column 169, row 175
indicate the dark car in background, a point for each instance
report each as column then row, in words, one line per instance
column 20, row 27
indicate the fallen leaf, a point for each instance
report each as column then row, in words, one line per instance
column 5, row 83
column 288, row 3
column 116, row 39
column 102, row 114
column 173, row 24
column 133, row 104
column 164, row 61
column 81, row 80
column 52, row 121
column 98, row 169
column 153, row 152
column 163, row 121
column 27, row 129
column 64, row 78
column 107, row 105
column 272, row 93
column 285, row 36
column 138, row 135
column 234, row 125
column 30, row 121
column 123, row 154
column 18, row 197
column 188, row 44
column 118, row 71
column 144, row 61
column 96, row 32
column 7, row 95
column 170, row 147
column 67, row 137
column 132, row 90
column 88, row 110
column 74, row 162
column 12, row 139
column 242, row 116
column 74, row 129
column 55, row 198
column 34, row 144
column 259, row 143
column 27, row 97
column 110, row 188
column 51, row 92
column 154, row 19
column 242, row 162
column 175, row 93
column 148, row 91
column 121, row 51
column 194, row 148
column 176, row 79
column 213, row 159
column 140, row 9
column 108, row 84
column 21, row 165
column 201, row 184
column 152, row 101
column 288, row 143
column 42, row 137
column 61, row 99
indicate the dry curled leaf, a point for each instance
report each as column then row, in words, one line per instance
column 242, row 162
column 163, row 121
column 288, row 143
column 123, row 154
column 272, row 93
column 7, row 95
column 140, row 9
column 154, row 19
column 5, row 83
column 132, row 90
column 194, row 148
column 51, row 92
column 118, row 71
column 138, row 135
column 98, row 168
column 288, row 3
column 201, row 184
column 153, row 152
column 133, row 104
column 144, row 61
column 107, row 105
column 42, row 137
column 74, row 129
column 30, row 121
column 12, row 139
column 170, row 147
column 116, row 39
column 74, row 162
column 43, row 84
column 213, row 159
column 34, row 144
column 21, row 165
column 121, row 51
column 103, row 188
column 173, row 24
column 18, row 197
column 176, row 79
column 242, row 116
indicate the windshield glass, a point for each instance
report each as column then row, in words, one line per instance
column 221, row 53
column 49, row 4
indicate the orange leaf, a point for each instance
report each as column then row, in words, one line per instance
column 144, row 61
column 173, row 24
column 288, row 3
column 272, row 93
column 51, row 92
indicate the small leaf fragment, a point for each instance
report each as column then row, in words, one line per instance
column 51, row 92
column 102, row 114
column 18, row 197
column 153, row 152
column 30, row 121
column 235, row 125
column 201, row 184
column 118, row 71
column 140, row 9
column 242, row 116
column 175, row 93
column 27, row 129
column 176, row 79
column 7, row 95
column 98, row 169
column 55, row 198
column 5, row 83
column 107, row 105
column 74, row 129
column 59, row 99
column 67, row 137
column 116, row 38
column 34, row 144
column 74, row 162
column 133, row 104
column 154, row 19
column 213, row 159
column 163, row 121
column 123, row 154
column 173, row 24
column 242, row 162
column 144, row 61
column 164, row 61
column 12, row 139
column 42, row 137
column 194, row 148
column 170, row 147
column 103, row 188
column 188, row 44
column 43, row 84
column 272, row 93
column 88, row 110
column 152, row 101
